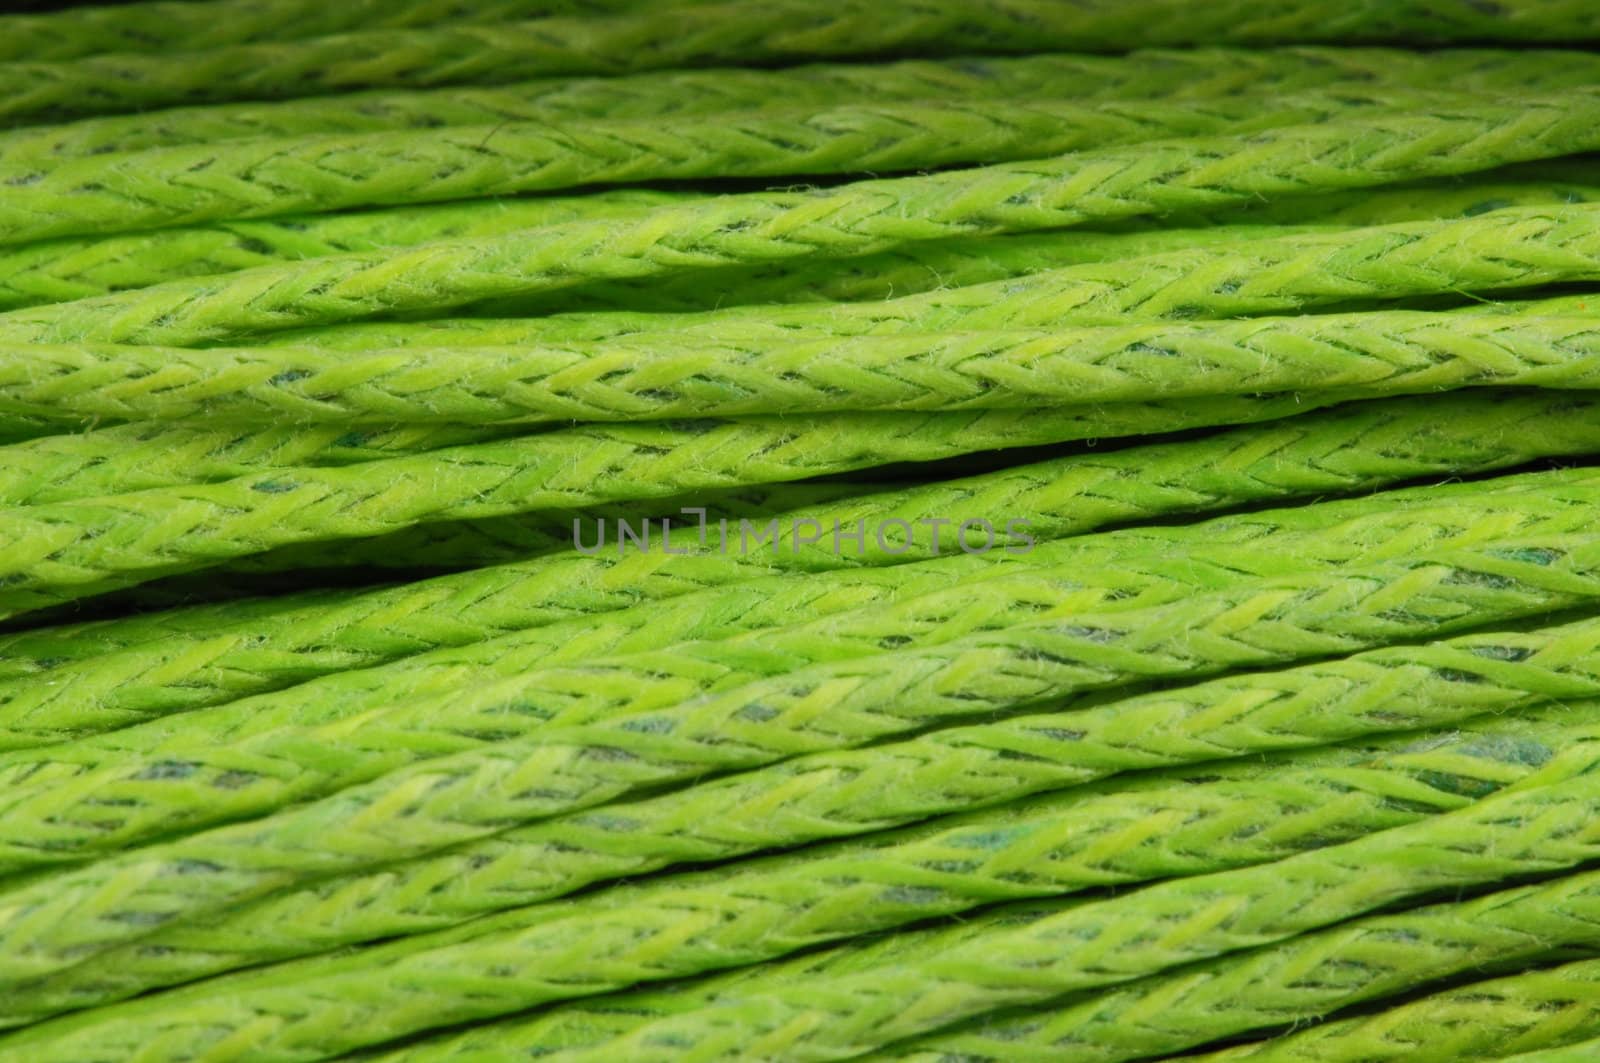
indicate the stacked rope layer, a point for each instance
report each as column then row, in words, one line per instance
column 922, row 530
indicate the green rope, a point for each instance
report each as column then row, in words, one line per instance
column 267, row 176
column 477, row 791
column 156, row 27
column 1577, row 1052
column 72, row 268
column 803, row 800
column 1363, row 355
column 743, row 33
column 1287, row 983
column 1042, row 952
column 60, row 683
column 1173, row 824
column 1213, row 276
column 513, row 960
column 1531, row 1009
column 852, row 220
column 1189, row 74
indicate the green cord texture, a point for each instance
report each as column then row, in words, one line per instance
column 856, row 219
column 113, row 675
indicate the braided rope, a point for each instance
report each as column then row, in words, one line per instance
column 1211, row 277
column 61, row 550
column 1361, row 355
column 267, row 176
column 1286, row 983
column 119, row 674
column 731, row 636
column 1577, row 1052
column 513, row 960
column 140, row 457
column 1069, row 842
column 157, row 27
column 745, row 33
column 1531, row 1009
column 585, row 754
column 961, row 262
column 1033, row 955
column 72, row 268
column 798, row 801
column 852, row 220
column 1149, row 74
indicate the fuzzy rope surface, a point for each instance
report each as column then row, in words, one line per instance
column 1533, row 1009
column 265, row 176
column 1069, row 842
column 1290, row 982
column 1546, row 823
column 483, row 797
column 1050, row 950
column 1364, row 355
column 802, row 800
column 742, row 33
column 855, row 219
column 1145, row 74
column 121, row 673
column 1213, row 277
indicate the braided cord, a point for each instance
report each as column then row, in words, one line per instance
column 960, row 262
column 1282, row 984
column 584, row 757
column 745, row 33
column 1577, row 1052
column 1286, row 984
column 1146, row 74
column 120, row 674
column 1531, row 1009
column 1132, row 569
column 1155, row 828
column 1362, row 355
column 187, row 26
column 267, row 176
column 757, row 630
column 510, row 961
column 1032, row 955
column 852, row 220
column 61, row 550
column 76, row 267
column 140, row 457
column 803, row 800
column 1210, row 278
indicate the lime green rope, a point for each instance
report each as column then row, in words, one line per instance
column 1287, row 983
column 266, row 176
column 1200, row 273
column 802, row 800
column 743, row 373
column 772, row 32
column 474, row 792
column 852, row 220
column 1577, row 1052
column 1021, row 957
column 1187, row 73
column 1228, row 817
column 157, row 26
column 693, row 922
column 1542, row 1008
column 60, row 683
